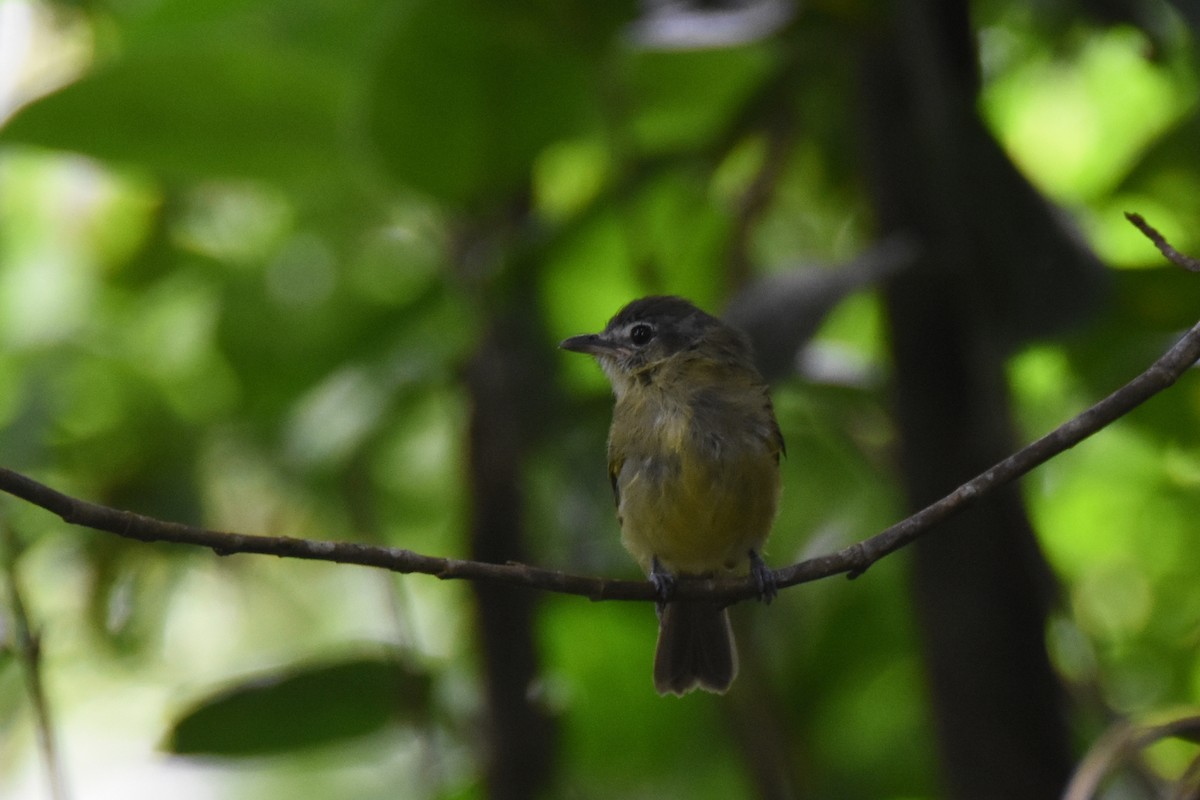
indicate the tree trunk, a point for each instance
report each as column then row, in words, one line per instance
column 995, row 269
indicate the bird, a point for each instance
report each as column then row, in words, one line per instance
column 693, row 458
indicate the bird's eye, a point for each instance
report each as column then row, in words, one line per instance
column 641, row 333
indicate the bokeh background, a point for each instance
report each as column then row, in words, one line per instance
column 300, row 268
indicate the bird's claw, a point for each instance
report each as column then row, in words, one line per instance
column 764, row 578
column 664, row 584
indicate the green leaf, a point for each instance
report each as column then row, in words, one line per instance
column 465, row 97
column 197, row 111
column 685, row 100
column 301, row 706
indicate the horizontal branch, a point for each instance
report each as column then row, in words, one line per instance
column 852, row 560
column 148, row 529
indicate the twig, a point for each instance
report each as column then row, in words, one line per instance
column 28, row 652
column 1174, row 256
column 1118, row 744
column 853, row 560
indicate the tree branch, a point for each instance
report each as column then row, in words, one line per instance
column 852, row 560
column 148, row 529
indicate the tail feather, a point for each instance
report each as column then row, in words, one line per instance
column 695, row 649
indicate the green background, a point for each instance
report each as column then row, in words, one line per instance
column 262, row 262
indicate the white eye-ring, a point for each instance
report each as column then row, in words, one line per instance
column 641, row 333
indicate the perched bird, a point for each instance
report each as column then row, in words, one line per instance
column 693, row 456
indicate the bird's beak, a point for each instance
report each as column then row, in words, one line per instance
column 594, row 344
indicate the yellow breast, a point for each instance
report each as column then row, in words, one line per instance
column 697, row 485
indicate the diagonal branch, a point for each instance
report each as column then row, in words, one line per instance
column 852, row 560
column 1174, row 256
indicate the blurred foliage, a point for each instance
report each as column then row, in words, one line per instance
column 310, row 706
column 247, row 245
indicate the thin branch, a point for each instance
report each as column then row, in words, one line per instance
column 1161, row 374
column 148, row 529
column 852, row 560
column 29, row 653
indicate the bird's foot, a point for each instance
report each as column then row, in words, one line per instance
column 664, row 584
column 764, row 578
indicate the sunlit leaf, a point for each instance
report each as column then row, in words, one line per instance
column 685, row 100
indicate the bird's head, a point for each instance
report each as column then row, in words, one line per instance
column 660, row 332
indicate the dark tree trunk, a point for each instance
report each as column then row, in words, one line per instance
column 508, row 384
column 994, row 269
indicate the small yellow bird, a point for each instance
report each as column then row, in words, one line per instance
column 693, row 456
